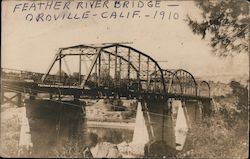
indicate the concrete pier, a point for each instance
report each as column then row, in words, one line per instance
column 159, row 123
column 156, row 119
column 181, row 125
column 52, row 125
column 25, row 143
column 141, row 135
column 194, row 111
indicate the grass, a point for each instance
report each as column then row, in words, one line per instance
column 225, row 133
column 10, row 129
column 213, row 138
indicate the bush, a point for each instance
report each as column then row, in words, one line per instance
column 128, row 114
column 225, row 133
column 114, row 105
column 213, row 138
column 241, row 93
column 117, row 102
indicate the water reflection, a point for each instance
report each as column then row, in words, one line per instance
column 114, row 136
column 180, row 124
column 54, row 125
column 107, row 142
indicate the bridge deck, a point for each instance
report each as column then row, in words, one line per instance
column 88, row 92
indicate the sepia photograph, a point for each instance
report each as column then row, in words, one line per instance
column 124, row 79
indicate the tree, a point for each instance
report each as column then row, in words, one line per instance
column 227, row 22
column 241, row 93
column 106, row 79
column 63, row 73
column 64, row 76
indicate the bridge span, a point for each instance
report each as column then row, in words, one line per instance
column 115, row 71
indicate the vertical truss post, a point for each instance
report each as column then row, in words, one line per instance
column 190, row 88
column 120, row 69
column 209, row 90
column 196, row 89
column 186, row 84
column 116, row 50
column 170, row 83
column 139, row 71
column 96, row 73
column 80, row 68
column 129, row 65
column 109, row 60
column 148, row 74
column 99, row 70
column 60, row 67
column 183, row 81
column 155, row 78
column 198, row 92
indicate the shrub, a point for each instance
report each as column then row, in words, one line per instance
column 114, row 105
column 214, row 138
column 128, row 114
column 117, row 102
column 225, row 133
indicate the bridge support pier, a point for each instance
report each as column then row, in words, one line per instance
column 207, row 107
column 25, row 143
column 32, row 96
column 76, row 96
column 159, row 124
column 158, row 120
column 52, row 125
column 50, row 96
column 193, row 111
column 141, row 135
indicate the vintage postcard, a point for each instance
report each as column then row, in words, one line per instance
column 124, row 78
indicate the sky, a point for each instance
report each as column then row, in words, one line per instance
column 31, row 45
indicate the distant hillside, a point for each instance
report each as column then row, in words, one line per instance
column 219, row 89
column 220, row 83
column 225, row 78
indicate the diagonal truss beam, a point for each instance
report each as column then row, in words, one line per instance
column 51, row 66
column 98, row 52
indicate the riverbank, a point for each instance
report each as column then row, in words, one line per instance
column 112, row 125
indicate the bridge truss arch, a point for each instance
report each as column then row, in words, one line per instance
column 182, row 83
column 187, row 81
column 114, row 67
column 145, row 65
column 123, row 70
column 204, row 89
column 173, row 83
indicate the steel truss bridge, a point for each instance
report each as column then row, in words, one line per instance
column 116, row 71
column 113, row 70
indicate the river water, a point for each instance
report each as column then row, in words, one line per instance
column 47, row 131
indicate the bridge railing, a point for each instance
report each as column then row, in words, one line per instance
column 14, row 74
column 20, row 75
